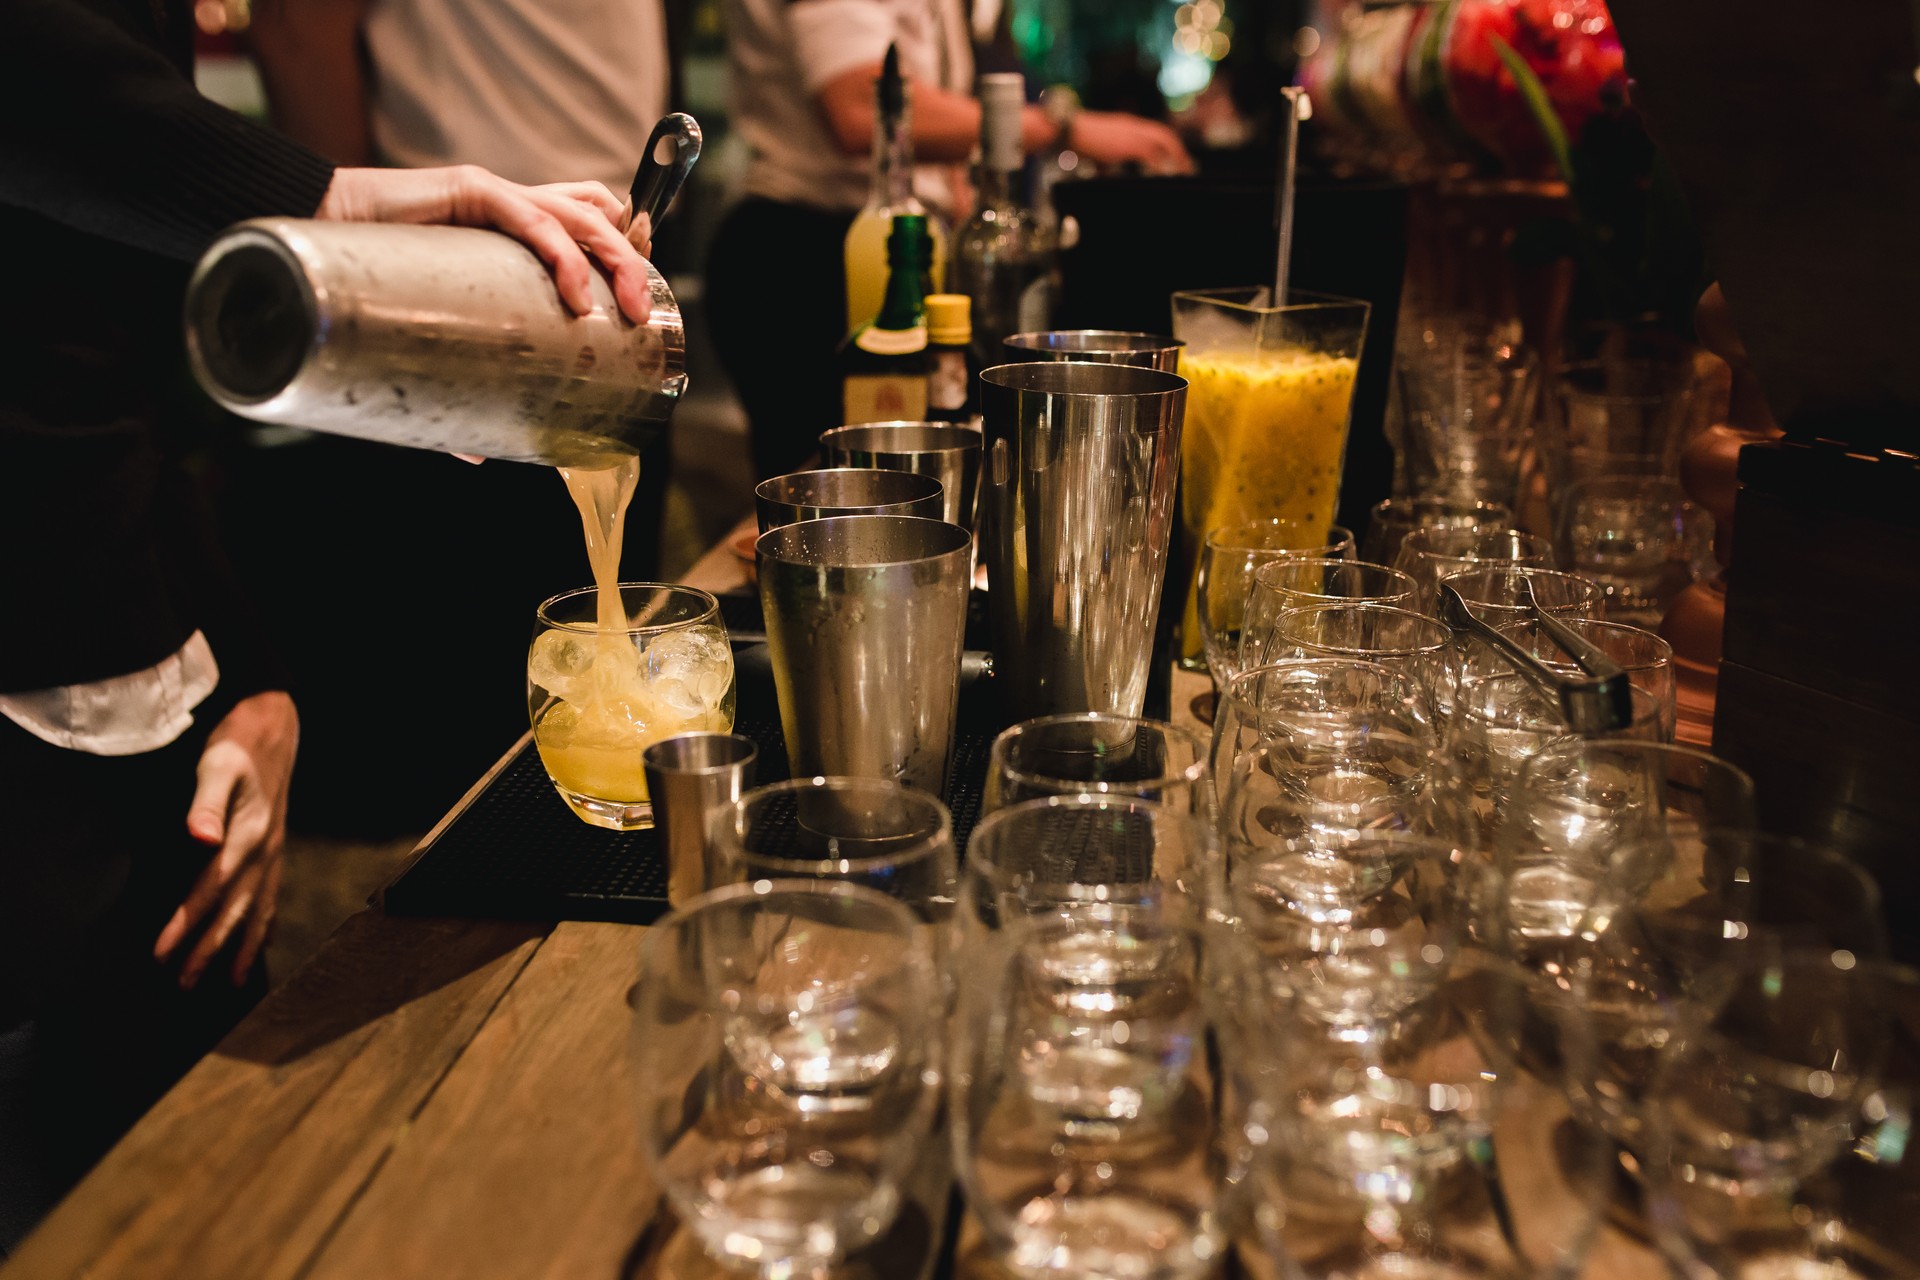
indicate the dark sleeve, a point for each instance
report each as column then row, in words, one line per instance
column 99, row 131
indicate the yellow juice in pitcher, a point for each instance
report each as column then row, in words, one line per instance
column 1264, row 439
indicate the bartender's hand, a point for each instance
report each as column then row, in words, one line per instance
column 556, row 221
column 240, row 810
column 1113, row 138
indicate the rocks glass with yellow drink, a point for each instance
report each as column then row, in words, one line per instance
column 1270, row 390
column 600, row 695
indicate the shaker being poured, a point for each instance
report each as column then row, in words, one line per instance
column 447, row 338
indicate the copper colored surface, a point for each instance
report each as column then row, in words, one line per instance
column 1709, row 468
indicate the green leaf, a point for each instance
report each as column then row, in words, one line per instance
column 1539, row 106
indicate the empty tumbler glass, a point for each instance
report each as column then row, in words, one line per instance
column 786, row 1041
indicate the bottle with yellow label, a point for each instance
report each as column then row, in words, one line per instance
column 884, row 365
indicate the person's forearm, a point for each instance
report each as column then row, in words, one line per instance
column 310, row 57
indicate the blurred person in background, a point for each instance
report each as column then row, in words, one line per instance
column 147, row 736
column 803, row 73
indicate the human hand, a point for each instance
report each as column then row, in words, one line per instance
column 557, row 221
column 240, row 810
column 1113, row 137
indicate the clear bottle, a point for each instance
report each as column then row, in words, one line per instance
column 891, row 193
column 952, row 394
column 1003, row 252
column 884, row 364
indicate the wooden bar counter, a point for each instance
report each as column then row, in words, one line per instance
column 423, row 1098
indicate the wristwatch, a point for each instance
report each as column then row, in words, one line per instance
column 1062, row 107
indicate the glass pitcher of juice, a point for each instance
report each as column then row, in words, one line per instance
column 1270, row 391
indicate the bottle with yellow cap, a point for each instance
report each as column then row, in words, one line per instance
column 950, row 379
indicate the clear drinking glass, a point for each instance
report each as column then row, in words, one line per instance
column 1646, row 658
column 1359, row 924
column 1083, row 1115
column 1269, row 393
column 1059, row 854
column 1333, row 700
column 1620, row 417
column 1392, row 519
column 1414, row 644
column 1505, row 593
column 1325, row 775
column 786, row 1041
column 1225, row 576
column 599, row 698
column 1092, row 752
column 1295, row 582
column 1499, row 722
column 1665, row 945
column 883, row 835
column 1581, row 803
column 1413, row 1158
column 1639, row 538
column 1428, row 555
column 1780, row 1132
column 1467, row 401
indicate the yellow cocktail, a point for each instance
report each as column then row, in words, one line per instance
column 1270, row 391
column 599, row 697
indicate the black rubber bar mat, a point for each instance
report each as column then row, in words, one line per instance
column 516, row 852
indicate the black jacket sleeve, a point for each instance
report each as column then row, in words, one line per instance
column 100, row 131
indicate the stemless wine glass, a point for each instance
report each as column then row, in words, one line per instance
column 1225, row 576
column 1644, row 656
column 1580, row 803
column 1364, row 765
column 1392, row 519
column 1656, row 955
column 1639, row 538
column 866, row 831
column 1330, row 697
column 598, row 697
column 1082, row 1115
column 1505, row 593
column 786, row 1038
column 1101, row 754
column 1374, row 1160
column 1360, row 925
column 1499, row 721
column 1414, row 644
column 1296, row 582
column 1779, row 1133
column 1428, row 555
column 1058, row 853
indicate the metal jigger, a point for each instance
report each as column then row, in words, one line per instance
column 866, row 616
column 688, row 777
column 1076, row 509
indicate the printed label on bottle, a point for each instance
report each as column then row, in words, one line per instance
column 891, row 342
column 947, row 381
column 885, row 397
column 1036, row 305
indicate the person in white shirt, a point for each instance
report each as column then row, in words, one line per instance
column 537, row 91
column 802, row 86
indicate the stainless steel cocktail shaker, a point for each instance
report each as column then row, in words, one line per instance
column 445, row 338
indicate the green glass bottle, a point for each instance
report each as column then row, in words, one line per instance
column 884, row 364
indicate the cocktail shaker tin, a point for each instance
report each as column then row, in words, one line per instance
column 448, row 338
